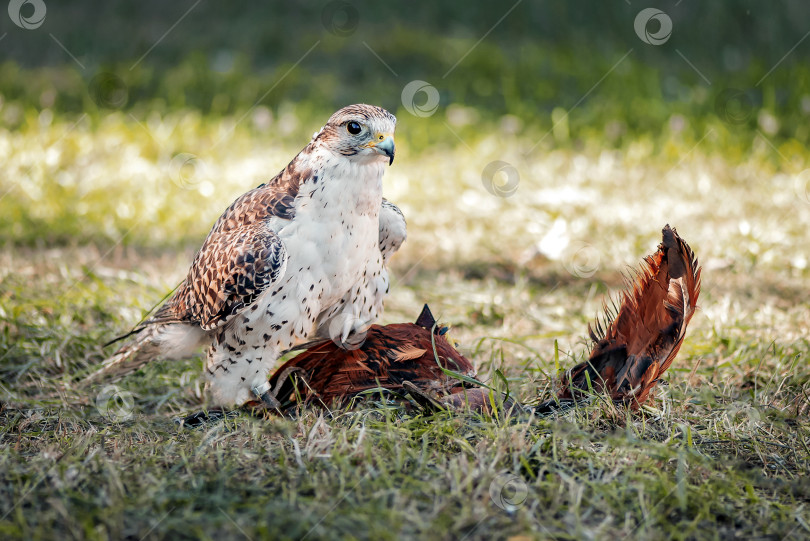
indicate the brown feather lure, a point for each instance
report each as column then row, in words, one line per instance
column 636, row 344
column 398, row 357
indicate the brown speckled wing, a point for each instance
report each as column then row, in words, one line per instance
column 233, row 268
column 241, row 257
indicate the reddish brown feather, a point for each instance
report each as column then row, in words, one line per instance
column 389, row 356
column 634, row 347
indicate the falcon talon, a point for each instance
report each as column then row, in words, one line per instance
column 269, row 400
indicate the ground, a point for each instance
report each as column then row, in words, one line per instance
column 517, row 266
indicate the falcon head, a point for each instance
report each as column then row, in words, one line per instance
column 362, row 132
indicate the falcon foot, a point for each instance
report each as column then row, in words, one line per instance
column 427, row 402
column 267, row 396
column 557, row 405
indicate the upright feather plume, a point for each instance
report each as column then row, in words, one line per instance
column 636, row 344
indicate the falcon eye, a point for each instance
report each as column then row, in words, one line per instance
column 353, row 128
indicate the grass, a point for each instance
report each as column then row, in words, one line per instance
column 94, row 240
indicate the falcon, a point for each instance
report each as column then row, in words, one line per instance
column 299, row 259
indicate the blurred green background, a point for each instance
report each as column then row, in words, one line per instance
column 220, row 58
column 154, row 81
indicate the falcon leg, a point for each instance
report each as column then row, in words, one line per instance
column 235, row 375
column 266, row 395
column 363, row 306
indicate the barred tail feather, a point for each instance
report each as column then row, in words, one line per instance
column 166, row 341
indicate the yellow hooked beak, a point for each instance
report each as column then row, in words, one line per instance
column 384, row 144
